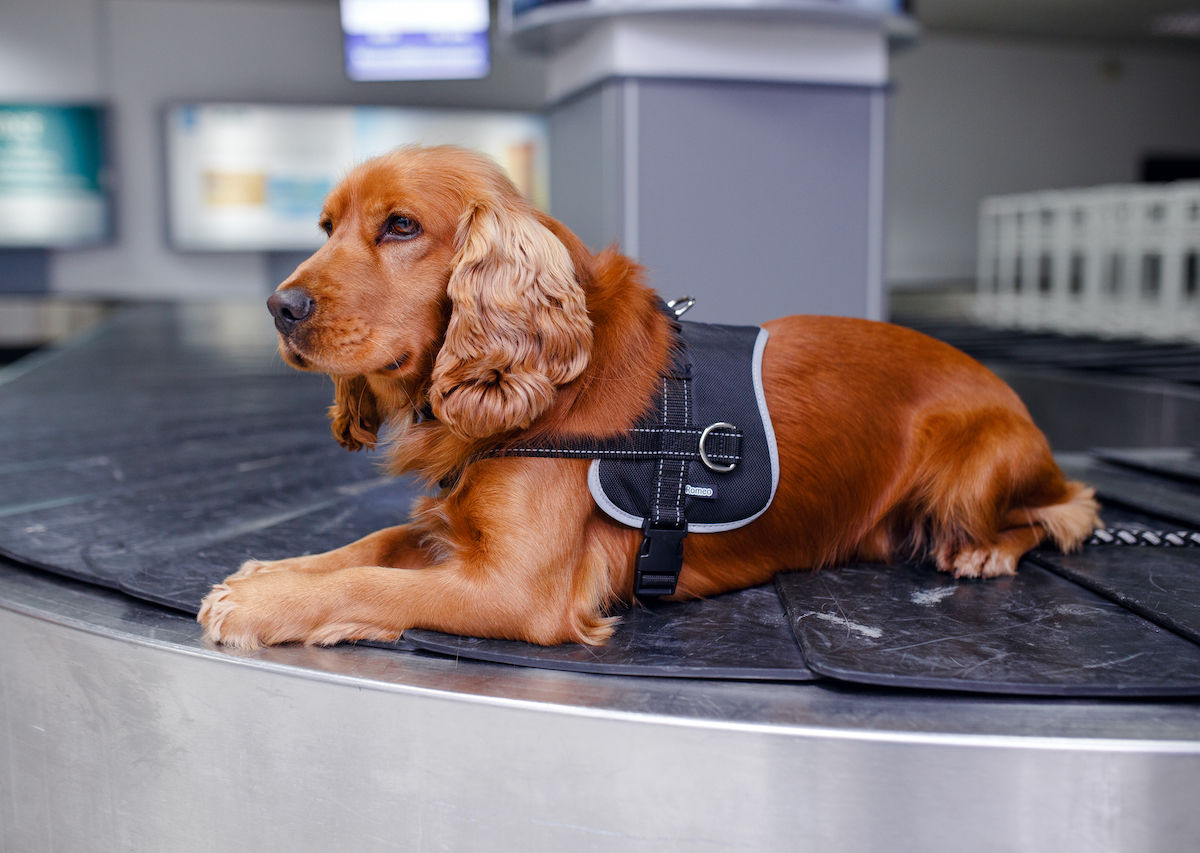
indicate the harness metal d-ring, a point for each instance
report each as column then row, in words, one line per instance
column 708, row 463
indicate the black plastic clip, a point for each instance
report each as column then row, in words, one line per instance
column 659, row 560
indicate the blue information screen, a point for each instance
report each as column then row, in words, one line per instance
column 52, row 176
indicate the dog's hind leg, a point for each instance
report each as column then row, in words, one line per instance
column 992, row 559
column 989, row 491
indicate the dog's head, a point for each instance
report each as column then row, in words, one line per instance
column 439, row 285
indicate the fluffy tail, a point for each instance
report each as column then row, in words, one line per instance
column 1071, row 521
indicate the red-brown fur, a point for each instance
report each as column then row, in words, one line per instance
column 498, row 319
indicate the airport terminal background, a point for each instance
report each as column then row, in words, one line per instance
column 974, row 109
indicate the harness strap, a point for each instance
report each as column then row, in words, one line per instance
column 660, row 557
column 720, row 445
column 669, row 437
column 674, row 442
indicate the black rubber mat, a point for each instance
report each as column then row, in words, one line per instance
column 1170, row 362
column 1161, row 584
column 178, row 572
column 160, row 453
column 165, row 450
column 742, row 635
column 1176, row 463
column 1032, row 634
column 1170, row 502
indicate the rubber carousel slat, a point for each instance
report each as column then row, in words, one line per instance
column 118, row 531
column 1161, row 584
column 1170, row 502
column 1170, row 362
column 1032, row 634
column 739, row 636
column 179, row 572
column 1177, row 463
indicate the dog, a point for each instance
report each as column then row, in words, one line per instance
column 454, row 317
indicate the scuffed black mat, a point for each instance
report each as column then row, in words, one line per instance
column 159, row 454
column 1033, row 634
column 179, row 572
column 741, row 635
column 1161, row 584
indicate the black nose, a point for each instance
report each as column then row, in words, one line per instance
column 290, row 307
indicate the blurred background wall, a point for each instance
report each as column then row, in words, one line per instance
column 972, row 113
column 141, row 54
column 976, row 117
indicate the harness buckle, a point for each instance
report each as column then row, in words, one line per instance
column 708, row 463
column 659, row 559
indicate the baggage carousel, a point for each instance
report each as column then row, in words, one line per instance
column 860, row 709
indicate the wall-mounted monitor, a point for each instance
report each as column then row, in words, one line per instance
column 415, row 39
column 254, row 176
column 53, row 176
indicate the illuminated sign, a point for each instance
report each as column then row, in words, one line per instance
column 254, row 176
column 52, row 176
column 415, row 39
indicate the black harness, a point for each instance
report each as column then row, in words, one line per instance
column 702, row 460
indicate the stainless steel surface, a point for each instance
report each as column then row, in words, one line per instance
column 123, row 731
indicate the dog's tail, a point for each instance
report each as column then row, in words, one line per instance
column 1070, row 521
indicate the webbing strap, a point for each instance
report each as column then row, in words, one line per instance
column 660, row 556
column 721, row 445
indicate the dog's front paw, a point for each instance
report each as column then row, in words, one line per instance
column 249, row 610
column 266, row 607
column 222, row 621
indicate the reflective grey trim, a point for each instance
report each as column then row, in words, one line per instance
column 615, row 512
column 602, row 501
column 760, row 344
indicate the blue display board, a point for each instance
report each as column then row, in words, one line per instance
column 53, row 181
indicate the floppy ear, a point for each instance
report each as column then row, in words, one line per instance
column 519, row 325
column 354, row 415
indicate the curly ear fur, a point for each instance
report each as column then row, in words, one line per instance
column 519, row 325
column 354, row 416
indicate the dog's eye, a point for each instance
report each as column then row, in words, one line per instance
column 401, row 228
column 327, row 227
